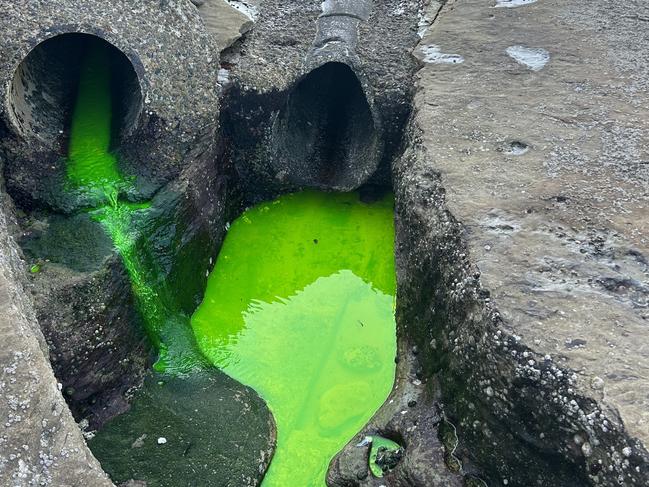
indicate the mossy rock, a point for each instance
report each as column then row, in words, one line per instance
column 204, row 429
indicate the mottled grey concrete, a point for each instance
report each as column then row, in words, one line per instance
column 174, row 57
column 523, row 235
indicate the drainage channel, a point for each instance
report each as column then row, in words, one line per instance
column 300, row 307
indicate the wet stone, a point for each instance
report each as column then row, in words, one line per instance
column 178, row 426
column 388, row 459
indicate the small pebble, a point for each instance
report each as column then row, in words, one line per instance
column 597, row 383
column 162, row 440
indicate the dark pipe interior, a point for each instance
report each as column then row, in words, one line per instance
column 44, row 87
column 326, row 136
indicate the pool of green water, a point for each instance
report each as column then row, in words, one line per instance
column 299, row 306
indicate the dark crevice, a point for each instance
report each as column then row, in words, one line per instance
column 44, row 87
column 327, row 122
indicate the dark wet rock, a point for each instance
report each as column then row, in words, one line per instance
column 76, row 242
column 97, row 345
column 201, row 429
column 387, row 459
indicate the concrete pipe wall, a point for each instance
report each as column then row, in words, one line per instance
column 328, row 134
column 299, row 107
column 42, row 92
column 170, row 94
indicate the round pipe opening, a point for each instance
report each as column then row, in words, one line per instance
column 43, row 91
column 326, row 135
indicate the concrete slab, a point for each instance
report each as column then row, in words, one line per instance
column 541, row 140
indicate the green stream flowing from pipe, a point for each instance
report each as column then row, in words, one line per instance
column 299, row 306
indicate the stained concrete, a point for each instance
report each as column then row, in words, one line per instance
column 523, row 230
column 292, row 39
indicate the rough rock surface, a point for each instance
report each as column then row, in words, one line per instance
column 523, row 236
column 40, row 443
column 217, row 428
column 223, row 21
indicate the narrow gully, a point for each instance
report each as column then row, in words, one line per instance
column 300, row 304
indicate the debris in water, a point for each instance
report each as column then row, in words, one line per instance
column 366, row 441
column 384, row 455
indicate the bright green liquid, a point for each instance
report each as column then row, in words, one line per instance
column 92, row 170
column 310, row 326
column 90, row 164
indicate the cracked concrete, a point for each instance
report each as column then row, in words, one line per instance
column 544, row 167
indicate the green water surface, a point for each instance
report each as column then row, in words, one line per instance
column 300, row 306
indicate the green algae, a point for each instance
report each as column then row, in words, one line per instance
column 300, row 306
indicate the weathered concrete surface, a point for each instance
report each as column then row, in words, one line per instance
column 40, row 444
column 523, row 236
column 176, row 62
column 223, row 21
